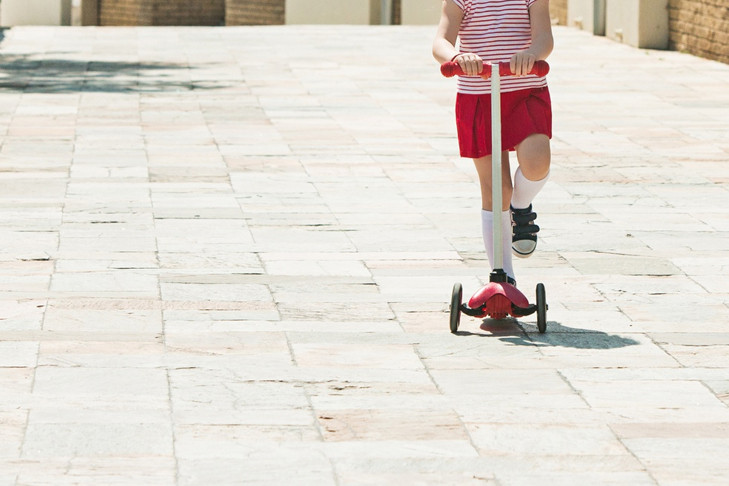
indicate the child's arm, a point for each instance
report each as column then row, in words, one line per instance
column 444, row 45
column 542, row 40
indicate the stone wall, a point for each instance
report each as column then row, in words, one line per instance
column 255, row 12
column 125, row 12
column 189, row 12
column 396, row 18
column 161, row 12
column 700, row 27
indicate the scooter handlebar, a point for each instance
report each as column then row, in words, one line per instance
column 450, row 69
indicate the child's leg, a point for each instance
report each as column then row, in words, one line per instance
column 534, row 158
column 483, row 167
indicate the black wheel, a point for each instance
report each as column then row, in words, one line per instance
column 541, row 309
column 456, row 298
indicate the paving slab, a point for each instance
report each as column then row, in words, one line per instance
column 226, row 257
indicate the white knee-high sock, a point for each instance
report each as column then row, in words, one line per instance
column 487, row 227
column 525, row 190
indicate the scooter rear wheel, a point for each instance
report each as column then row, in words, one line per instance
column 541, row 309
column 456, row 299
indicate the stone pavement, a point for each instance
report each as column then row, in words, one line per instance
column 226, row 256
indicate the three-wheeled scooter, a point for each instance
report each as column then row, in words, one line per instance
column 497, row 299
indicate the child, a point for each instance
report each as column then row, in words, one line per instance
column 518, row 32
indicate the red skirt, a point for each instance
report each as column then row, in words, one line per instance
column 523, row 113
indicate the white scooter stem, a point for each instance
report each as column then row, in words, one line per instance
column 496, row 182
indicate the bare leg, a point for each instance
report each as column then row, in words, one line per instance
column 534, row 156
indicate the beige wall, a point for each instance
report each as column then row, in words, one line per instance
column 638, row 23
column 420, row 12
column 332, row 12
column 587, row 15
column 35, row 12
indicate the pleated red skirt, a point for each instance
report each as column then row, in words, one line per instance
column 523, row 113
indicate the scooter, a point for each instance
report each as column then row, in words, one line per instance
column 497, row 299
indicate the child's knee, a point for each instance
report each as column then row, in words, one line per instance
column 534, row 156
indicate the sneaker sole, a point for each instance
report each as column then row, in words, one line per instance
column 521, row 253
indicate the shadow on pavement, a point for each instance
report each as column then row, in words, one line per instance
column 29, row 74
column 523, row 334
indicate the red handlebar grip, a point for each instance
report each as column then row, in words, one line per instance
column 450, row 69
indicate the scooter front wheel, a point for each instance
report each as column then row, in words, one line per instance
column 541, row 309
column 456, row 300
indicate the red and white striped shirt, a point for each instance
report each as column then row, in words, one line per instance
column 495, row 30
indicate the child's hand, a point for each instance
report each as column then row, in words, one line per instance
column 522, row 62
column 471, row 64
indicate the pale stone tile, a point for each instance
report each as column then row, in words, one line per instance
column 683, row 460
column 191, row 438
column 17, row 381
column 400, row 449
column 231, row 261
column 317, row 268
column 67, row 353
column 18, row 354
column 118, row 282
column 126, row 410
column 223, row 292
column 201, row 397
column 73, row 439
column 12, row 429
column 466, row 471
column 383, row 425
column 263, row 344
column 297, row 239
column 648, row 395
column 605, row 263
column 114, row 471
column 574, row 475
column 22, row 314
column 266, row 463
column 89, row 320
column 600, row 349
column 384, row 356
column 548, row 439
column 499, row 381
column 100, row 382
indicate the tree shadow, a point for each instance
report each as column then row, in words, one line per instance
column 519, row 333
column 28, row 73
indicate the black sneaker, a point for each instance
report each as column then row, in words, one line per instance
column 524, row 237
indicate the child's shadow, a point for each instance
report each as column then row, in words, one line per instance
column 526, row 334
